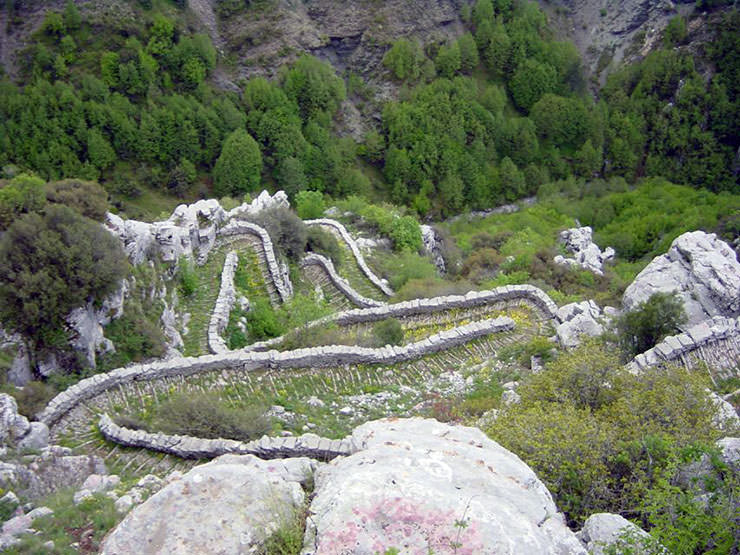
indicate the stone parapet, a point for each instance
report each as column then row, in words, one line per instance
column 224, row 304
column 339, row 282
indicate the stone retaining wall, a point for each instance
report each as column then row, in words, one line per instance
column 187, row 447
column 430, row 305
column 224, row 304
column 315, row 357
column 344, row 234
column 240, row 227
column 339, row 282
column 715, row 341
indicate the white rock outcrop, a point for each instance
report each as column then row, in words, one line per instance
column 578, row 319
column 417, row 485
column 432, row 248
column 602, row 531
column 586, row 253
column 702, row 269
column 229, row 505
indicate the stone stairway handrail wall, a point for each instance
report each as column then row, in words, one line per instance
column 334, row 355
column 189, row 447
column 376, row 281
column 240, row 227
column 428, row 306
column 678, row 347
column 339, row 282
column 224, row 304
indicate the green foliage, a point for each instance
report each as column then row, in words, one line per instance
column 325, row 243
column 187, row 276
column 405, row 266
column 603, row 439
column 405, row 234
column 561, row 120
column 205, row 415
column 32, row 398
column 314, row 86
column 649, row 322
column 531, row 80
column 287, row 231
column 262, row 321
column 404, row 59
column 469, row 58
column 448, row 61
column 52, row 264
column 22, row 195
column 136, row 335
column 238, row 168
column 86, row 197
column 675, row 32
column 309, row 205
column 388, row 332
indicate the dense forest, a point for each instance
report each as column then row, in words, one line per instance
column 481, row 120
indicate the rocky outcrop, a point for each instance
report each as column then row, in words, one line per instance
column 189, row 231
column 411, row 484
column 338, row 229
column 186, row 447
column 224, row 304
column 586, row 253
column 87, row 323
column 432, row 247
column 338, row 281
column 248, row 361
column 13, row 426
column 264, row 201
column 229, row 505
column 702, row 269
column 609, row 533
column 53, row 469
column 578, row 319
column 421, row 485
column 715, row 342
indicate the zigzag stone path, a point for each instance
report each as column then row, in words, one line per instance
column 715, row 342
column 328, row 278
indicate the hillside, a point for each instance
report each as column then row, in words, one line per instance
column 369, row 277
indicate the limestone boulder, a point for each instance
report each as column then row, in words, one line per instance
column 417, row 485
column 586, row 254
column 578, row 320
column 604, row 531
column 229, row 505
column 702, row 269
column 13, row 426
column 432, row 247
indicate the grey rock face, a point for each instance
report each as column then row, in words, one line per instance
column 586, row 253
column 602, row 530
column 13, row 426
column 227, row 506
column 431, row 247
column 702, row 269
column 578, row 319
column 420, row 484
column 37, row 437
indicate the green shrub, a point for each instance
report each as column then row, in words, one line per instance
column 649, row 322
column 205, row 415
column 86, row 197
column 310, row 205
column 136, row 335
column 287, row 231
column 406, row 234
column 402, row 267
column 33, row 397
column 325, row 243
column 388, row 332
column 262, row 322
column 187, row 275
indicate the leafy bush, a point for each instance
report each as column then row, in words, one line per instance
column 205, row 415
column 23, row 194
column 310, row 205
column 325, row 243
column 406, row 234
column 262, row 321
column 603, row 439
column 86, row 197
column 402, row 267
column 187, row 275
column 33, row 397
column 136, row 336
column 649, row 322
column 388, row 332
column 287, row 231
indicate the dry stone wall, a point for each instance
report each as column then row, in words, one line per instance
column 715, row 342
column 338, row 228
column 240, row 227
column 187, row 447
column 314, row 357
column 339, row 282
column 506, row 293
column 224, row 304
